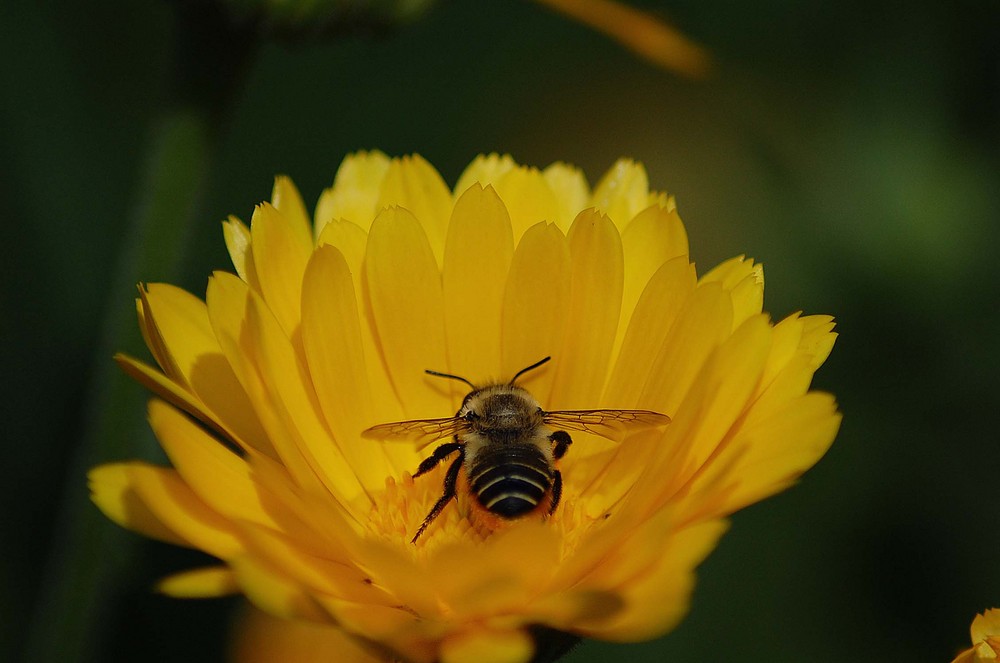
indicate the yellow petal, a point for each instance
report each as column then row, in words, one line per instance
column 671, row 389
column 330, row 571
column 777, row 451
column 286, row 199
column 130, row 492
column 397, row 628
column 332, row 527
column 404, row 288
column 111, row 490
column 745, row 282
column 395, row 569
column 623, row 192
column 784, row 348
column 264, row 638
column 477, row 258
column 203, row 583
column 654, row 315
column 227, row 299
column 512, row 569
column 817, row 338
column 985, row 625
column 352, row 242
column 414, row 184
column 536, row 303
column 800, row 345
column 180, row 398
column 529, row 200
column 280, row 256
column 174, row 393
column 181, row 321
column 713, row 407
column 595, row 305
column 657, row 599
column 702, row 324
column 334, row 352
column 273, row 592
column 237, row 238
column 222, row 480
column 179, row 508
column 570, row 187
column 355, row 192
column 641, row 544
column 154, row 340
column 484, row 169
column 655, row 236
column 289, row 397
column 570, row 610
column 485, row 646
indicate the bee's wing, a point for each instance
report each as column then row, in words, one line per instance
column 610, row 424
column 421, row 431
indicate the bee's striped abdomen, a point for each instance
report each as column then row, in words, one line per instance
column 510, row 481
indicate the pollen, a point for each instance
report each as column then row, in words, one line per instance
column 397, row 512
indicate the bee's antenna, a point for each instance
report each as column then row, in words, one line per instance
column 450, row 377
column 525, row 370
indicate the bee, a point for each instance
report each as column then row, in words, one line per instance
column 507, row 446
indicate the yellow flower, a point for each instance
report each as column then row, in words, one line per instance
column 265, row 388
column 985, row 632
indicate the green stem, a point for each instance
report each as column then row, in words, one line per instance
column 89, row 553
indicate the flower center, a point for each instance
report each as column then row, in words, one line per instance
column 401, row 508
column 399, row 511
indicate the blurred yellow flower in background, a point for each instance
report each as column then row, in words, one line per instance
column 325, row 330
column 641, row 32
column 645, row 35
column 985, row 633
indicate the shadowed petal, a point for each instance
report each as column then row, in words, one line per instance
column 156, row 502
column 484, row 169
column 334, row 351
column 477, row 259
column 355, row 192
column 404, row 289
column 623, row 192
column 201, row 583
column 280, row 257
column 488, row 646
column 529, row 200
column 263, row 638
column 595, row 304
column 571, row 189
column 745, row 281
column 412, row 183
column 535, row 305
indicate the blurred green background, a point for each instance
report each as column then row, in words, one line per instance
column 853, row 147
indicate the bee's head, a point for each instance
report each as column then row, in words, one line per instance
column 500, row 406
column 496, row 405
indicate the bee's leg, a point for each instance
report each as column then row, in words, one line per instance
column 450, row 481
column 561, row 440
column 439, row 454
column 556, row 490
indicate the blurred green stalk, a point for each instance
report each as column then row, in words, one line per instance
column 89, row 554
